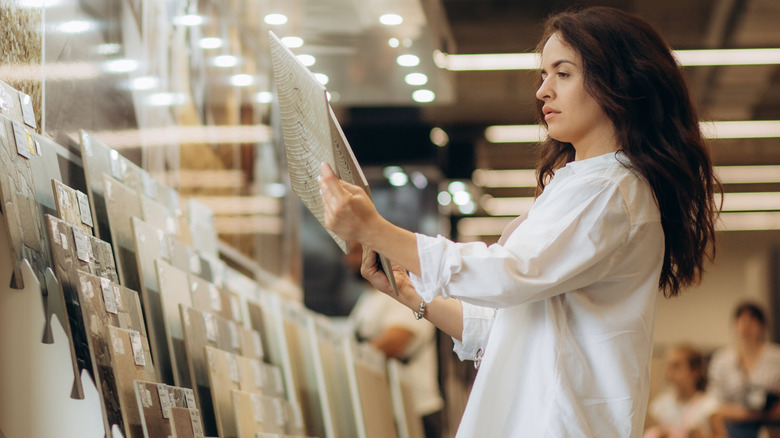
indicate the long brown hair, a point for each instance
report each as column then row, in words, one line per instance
column 630, row 71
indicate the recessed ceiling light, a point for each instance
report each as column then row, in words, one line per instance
column 265, row 97
column 188, row 20
column 241, row 80
column 275, row 19
column 144, row 83
column 292, row 42
column 416, row 79
column 210, row 43
column 393, row 42
column 225, row 61
column 120, row 66
column 391, row 19
column 307, row 60
column 408, row 60
column 423, row 96
column 322, row 77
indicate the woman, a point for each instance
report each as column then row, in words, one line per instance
column 560, row 312
column 684, row 410
column 746, row 378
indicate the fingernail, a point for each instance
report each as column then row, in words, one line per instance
column 319, row 178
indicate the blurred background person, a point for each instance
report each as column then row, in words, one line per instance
column 684, row 409
column 392, row 328
column 745, row 377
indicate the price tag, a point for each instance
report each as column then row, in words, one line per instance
column 138, row 349
column 116, row 167
column 257, row 405
column 38, row 150
column 211, row 327
column 84, row 212
column 233, row 365
column 189, row 396
column 194, row 261
column 165, row 400
column 235, row 340
column 62, row 194
column 63, row 241
column 258, row 344
column 197, row 427
column 146, row 397
column 216, row 299
column 28, row 113
column 278, row 382
column 235, row 308
column 162, row 241
column 118, row 296
column 83, row 246
column 86, row 286
column 150, row 185
column 20, row 137
column 109, row 296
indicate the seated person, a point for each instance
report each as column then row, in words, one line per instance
column 684, row 410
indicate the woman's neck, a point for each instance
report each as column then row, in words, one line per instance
column 685, row 394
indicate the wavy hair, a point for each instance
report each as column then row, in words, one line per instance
column 630, row 71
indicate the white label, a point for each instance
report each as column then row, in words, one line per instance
column 117, row 343
column 83, row 248
column 257, row 404
column 278, row 380
column 109, row 297
column 163, row 243
column 63, row 195
column 233, row 365
column 165, row 400
column 258, row 372
column 194, row 262
column 86, row 286
column 150, row 185
column 170, row 225
column 63, row 241
column 216, row 299
column 118, row 296
column 235, row 308
column 146, row 396
column 138, row 349
column 280, row 411
column 28, row 113
column 197, row 427
column 55, row 231
column 84, row 212
column 116, row 169
column 37, row 147
column 211, row 327
column 258, row 344
column 235, row 340
column 20, row 137
column 189, row 396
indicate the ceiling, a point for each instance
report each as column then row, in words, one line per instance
column 398, row 134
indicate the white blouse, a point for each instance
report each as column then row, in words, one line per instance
column 575, row 286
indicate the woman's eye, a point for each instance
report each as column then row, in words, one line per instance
column 563, row 74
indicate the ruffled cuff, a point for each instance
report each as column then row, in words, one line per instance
column 477, row 323
column 439, row 261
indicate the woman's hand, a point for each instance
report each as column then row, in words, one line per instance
column 349, row 212
column 373, row 272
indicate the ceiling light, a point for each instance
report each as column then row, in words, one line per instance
column 109, row 49
column 225, row 61
column 504, row 178
column 456, row 186
column 265, row 97
column 389, row 170
column 748, row 174
column 749, row 221
column 439, row 137
column 188, row 20
column 444, row 198
column 241, row 80
column 393, row 42
column 77, row 26
column 275, row 19
column 398, row 179
column 210, row 43
column 408, row 60
column 423, row 96
column 741, row 129
column 391, row 19
column 120, row 66
column 419, row 180
column 468, row 208
column 292, row 41
column 461, row 198
column 515, row 133
column 530, row 61
column 167, row 99
column 307, row 60
column 416, row 79
column 144, row 83
column 751, row 201
column 322, row 78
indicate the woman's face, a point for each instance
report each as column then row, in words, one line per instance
column 748, row 328
column 679, row 372
column 572, row 115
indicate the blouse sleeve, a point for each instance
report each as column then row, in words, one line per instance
column 565, row 244
column 477, row 323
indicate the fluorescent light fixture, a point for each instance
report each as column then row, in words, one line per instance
column 210, row 43
column 167, row 99
column 109, row 49
column 408, row 60
column 504, row 178
column 265, row 97
column 120, row 66
column 423, row 96
column 749, row 221
column 506, row 206
column 322, row 78
column 292, row 42
column 416, row 79
column 439, row 137
column 391, row 19
column 393, row 42
column 242, row 80
column 188, row 20
column 728, row 57
column 307, row 60
column 530, row 61
column 144, row 83
column 751, row 201
column 741, row 129
column 468, row 208
column 77, row 26
column 748, row 174
column 225, row 61
column 275, row 19
column 515, row 133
